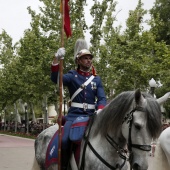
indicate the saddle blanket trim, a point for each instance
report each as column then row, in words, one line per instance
column 52, row 150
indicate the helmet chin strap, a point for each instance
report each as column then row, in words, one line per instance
column 92, row 69
column 84, row 70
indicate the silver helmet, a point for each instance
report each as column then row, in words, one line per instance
column 83, row 52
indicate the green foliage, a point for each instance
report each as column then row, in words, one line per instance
column 6, row 48
column 124, row 60
column 160, row 27
column 160, row 24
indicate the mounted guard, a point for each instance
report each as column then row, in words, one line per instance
column 86, row 91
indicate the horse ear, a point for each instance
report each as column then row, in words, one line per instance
column 164, row 98
column 139, row 99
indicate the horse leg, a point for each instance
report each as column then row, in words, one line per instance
column 35, row 165
column 73, row 162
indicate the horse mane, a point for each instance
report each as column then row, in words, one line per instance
column 111, row 117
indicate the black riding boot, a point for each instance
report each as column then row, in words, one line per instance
column 65, row 155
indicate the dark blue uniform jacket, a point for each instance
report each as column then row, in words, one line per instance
column 93, row 93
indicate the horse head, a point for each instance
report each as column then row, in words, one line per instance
column 138, row 129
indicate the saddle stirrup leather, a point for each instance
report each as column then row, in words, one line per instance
column 73, row 162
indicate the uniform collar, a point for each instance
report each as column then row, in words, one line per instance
column 83, row 73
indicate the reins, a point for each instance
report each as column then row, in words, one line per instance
column 102, row 160
column 86, row 137
column 121, row 152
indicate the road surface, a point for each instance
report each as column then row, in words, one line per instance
column 16, row 153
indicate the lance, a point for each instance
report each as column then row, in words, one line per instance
column 60, row 87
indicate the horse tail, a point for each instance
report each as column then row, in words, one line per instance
column 159, row 161
column 35, row 165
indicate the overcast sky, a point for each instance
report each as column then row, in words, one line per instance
column 14, row 17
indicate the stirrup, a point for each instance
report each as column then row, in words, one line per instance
column 63, row 168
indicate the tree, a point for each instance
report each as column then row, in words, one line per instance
column 124, row 60
column 7, row 53
column 160, row 25
column 9, row 72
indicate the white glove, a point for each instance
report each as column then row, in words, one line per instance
column 60, row 53
column 98, row 111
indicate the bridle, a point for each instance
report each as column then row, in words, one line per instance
column 129, row 119
column 126, row 155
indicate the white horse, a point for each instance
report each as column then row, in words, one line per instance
column 130, row 121
column 161, row 160
column 165, row 143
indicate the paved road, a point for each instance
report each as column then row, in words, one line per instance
column 16, row 153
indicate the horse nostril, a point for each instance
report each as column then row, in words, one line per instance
column 117, row 166
column 136, row 166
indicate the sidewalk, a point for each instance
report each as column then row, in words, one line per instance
column 16, row 153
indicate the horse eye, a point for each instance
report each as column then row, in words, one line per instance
column 137, row 126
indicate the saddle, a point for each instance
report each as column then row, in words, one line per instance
column 72, row 134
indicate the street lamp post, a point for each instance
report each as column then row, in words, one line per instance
column 11, row 117
column 4, row 118
column 153, row 85
column 11, row 120
column 26, row 118
column 0, row 121
column 45, row 123
column 16, row 121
